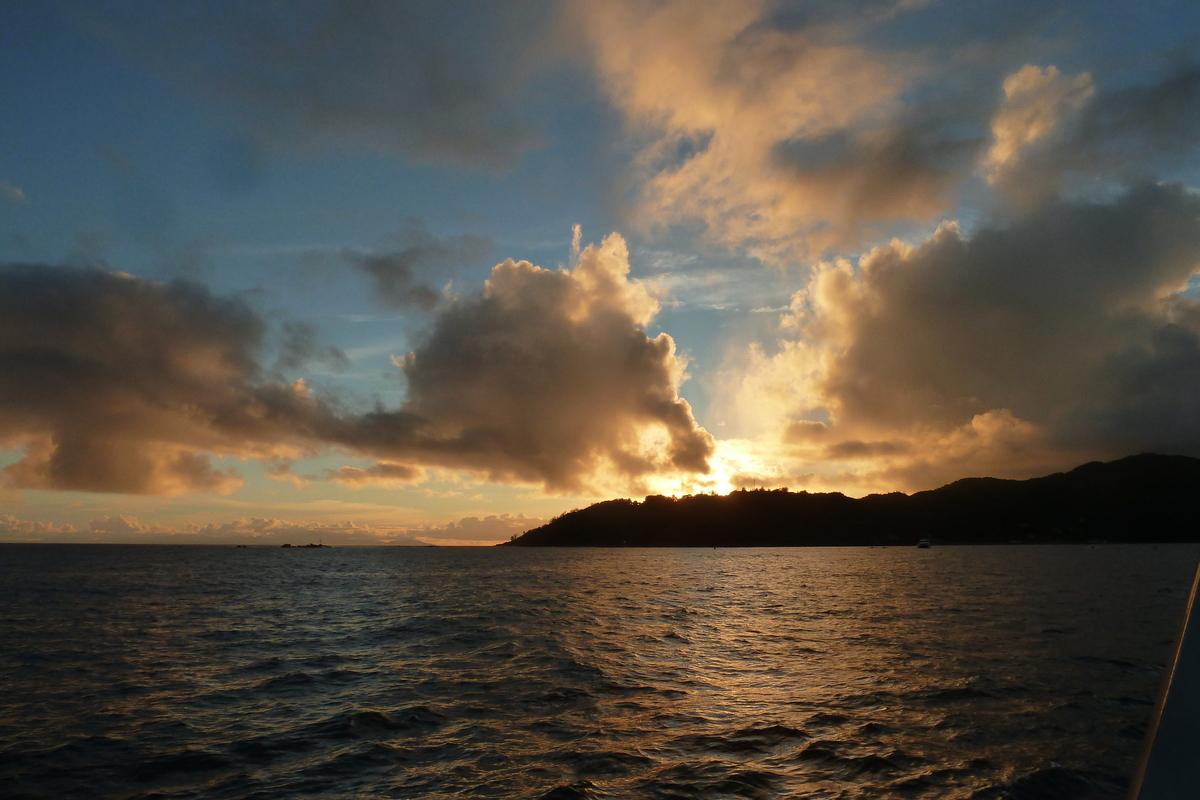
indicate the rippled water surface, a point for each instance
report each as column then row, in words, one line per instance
column 180, row 672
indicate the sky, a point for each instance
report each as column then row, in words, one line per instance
column 436, row 272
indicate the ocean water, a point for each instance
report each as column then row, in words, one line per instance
column 215, row 672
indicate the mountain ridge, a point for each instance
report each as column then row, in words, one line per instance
column 1141, row 498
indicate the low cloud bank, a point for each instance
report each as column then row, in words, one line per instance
column 125, row 529
column 491, row 529
column 121, row 528
column 13, row 529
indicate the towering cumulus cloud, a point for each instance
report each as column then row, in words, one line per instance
column 551, row 376
column 1054, row 339
column 116, row 384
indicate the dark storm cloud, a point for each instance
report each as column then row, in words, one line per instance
column 429, row 80
column 397, row 274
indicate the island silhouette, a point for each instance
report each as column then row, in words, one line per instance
column 1142, row 499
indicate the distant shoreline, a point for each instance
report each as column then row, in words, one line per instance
column 220, row 546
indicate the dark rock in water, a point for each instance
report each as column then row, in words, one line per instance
column 1145, row 498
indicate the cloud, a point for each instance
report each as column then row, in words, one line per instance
column 418, row 254
column 122, row 525
column 382, row 474
column 1055, row 131
column 13, row 529
column 473, row 530
column 110, row 383
column 775, row 131
column 247, row 530
column 546, row 378
column 1055, row 338
column 301, row 345
column 268, row 530
column 1143, row 122
column 1037, row 105
column 432, row 81
column 272, row 531
column 1035, row 102
column 796, row 130
column 550, row 377
column 13, row 194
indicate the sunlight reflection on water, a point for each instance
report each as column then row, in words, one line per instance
column 417, row 672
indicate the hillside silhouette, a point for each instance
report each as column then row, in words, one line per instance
column 1143, row 498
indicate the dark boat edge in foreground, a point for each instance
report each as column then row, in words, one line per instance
column 1168, row 767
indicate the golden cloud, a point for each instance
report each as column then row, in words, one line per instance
column 1011, row 351
column 786, row 140
column 115, row 384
